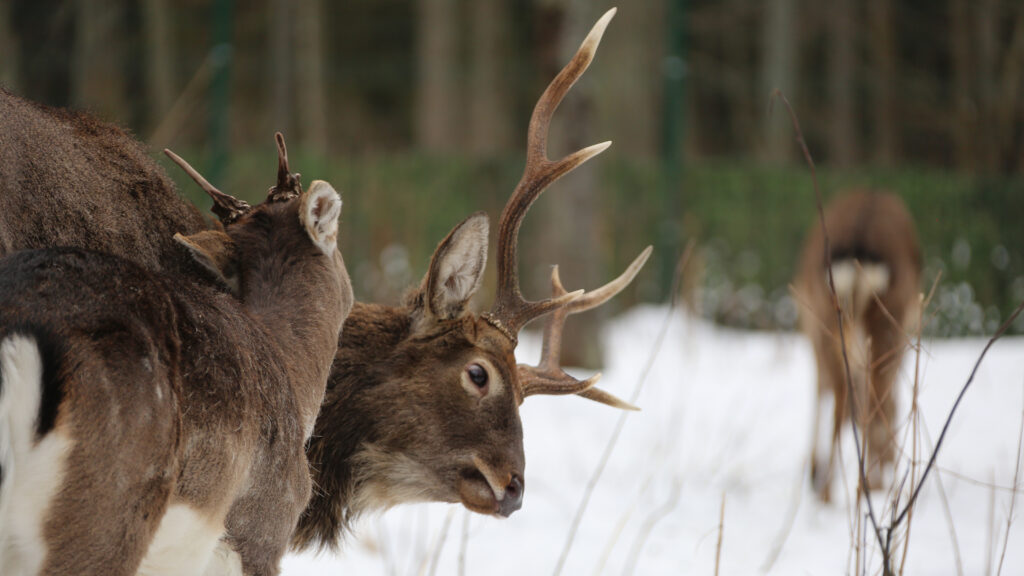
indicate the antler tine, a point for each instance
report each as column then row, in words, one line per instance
column 511, row 311
column 595, row 298
column 226, row 207
column 547, row 377
column 288, row 185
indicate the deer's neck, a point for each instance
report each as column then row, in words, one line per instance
column 347, row 421
column 304, row 322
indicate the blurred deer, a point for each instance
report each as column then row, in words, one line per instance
column 876, row 266
column 422, row 401
column 145, row 418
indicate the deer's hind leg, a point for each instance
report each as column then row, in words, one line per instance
column 830, row 410
column 120, row 469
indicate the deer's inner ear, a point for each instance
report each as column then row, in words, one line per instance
column 215, row 251
column 457, row 268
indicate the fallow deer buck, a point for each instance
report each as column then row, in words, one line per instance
column 145, row 418
column 422, row 401
column 876, row 267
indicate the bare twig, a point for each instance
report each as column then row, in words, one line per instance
column 952, row 411
column 990, row 548
column 621, row 525
column 621, row 422
column 915, row 425
column 441, row 538
column 721, row 531
column 1013, row 496
column 787, row 527
column 464, row 543
column 648, row 527
column 839, row 315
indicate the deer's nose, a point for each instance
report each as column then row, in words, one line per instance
column 513, row 499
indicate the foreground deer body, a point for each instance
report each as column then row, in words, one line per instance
column 67, row 179
column 422, row 401
column 876, row 266
column 144, row 417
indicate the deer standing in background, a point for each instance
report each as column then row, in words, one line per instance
column 422, row 401
column 876, row 267
column 145, row 418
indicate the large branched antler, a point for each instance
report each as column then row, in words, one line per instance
column 511, row 311
column 547, row 377
column 225, row 206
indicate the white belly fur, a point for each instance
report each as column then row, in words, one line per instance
column 183, row 544
column 225, row 562
column 33, row 472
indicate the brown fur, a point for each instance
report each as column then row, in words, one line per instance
column 870, row 228
column 67, row 179
column 401, row 420
column 203, row 400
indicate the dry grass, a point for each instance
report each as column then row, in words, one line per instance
column 621, row 422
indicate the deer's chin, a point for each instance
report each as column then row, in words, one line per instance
column 476, row 495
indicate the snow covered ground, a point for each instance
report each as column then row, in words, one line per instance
column 725, row 413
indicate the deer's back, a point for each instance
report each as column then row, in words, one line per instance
column 68, row 179
column 170, row 377
column 872, row 228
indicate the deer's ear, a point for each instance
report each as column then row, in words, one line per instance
column 457, row 268
column 215, row 251
column 319, row 212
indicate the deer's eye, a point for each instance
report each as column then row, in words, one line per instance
column 477, row 375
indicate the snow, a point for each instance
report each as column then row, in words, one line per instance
column 726, row 414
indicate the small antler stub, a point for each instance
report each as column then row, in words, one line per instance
column 288, row 185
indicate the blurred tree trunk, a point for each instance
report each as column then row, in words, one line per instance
column 987, row 35
column 1008, row 102
column 99, row 77
column 964, row 117
column 842, row 25
column 309, row 74
column 45, row 41
column 779, row 71
column 884, row 59
column 159, row 69
column 736, row 51
column 490, row 110
column 280, row 26
column 437, row 95
column 630, row 78
column 8, row 49
column 571, row 231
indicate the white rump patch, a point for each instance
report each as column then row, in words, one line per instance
column 183, row 544
column 32, row 472
column 856, row 283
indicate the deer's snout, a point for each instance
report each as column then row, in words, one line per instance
column 513, row 499
column 505, row 485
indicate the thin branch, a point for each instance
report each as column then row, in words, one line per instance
column 946, row 510
column 1013, row 496
column 949, row 419
column 794, row 506
column 620, row 424
column 442, row 537
column 839, row 315
column 721, row 531
column 464, row 543
column 648, row 527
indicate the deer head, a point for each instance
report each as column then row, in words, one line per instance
column 423, row 403
column 283, row 250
